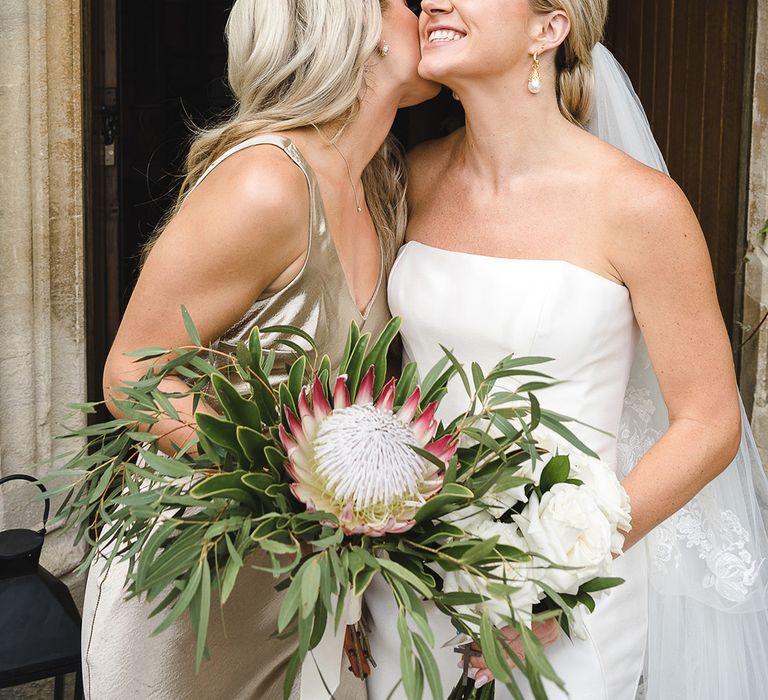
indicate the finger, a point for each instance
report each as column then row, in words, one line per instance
column 510, row 633
column 482, row 678
column 478, row 662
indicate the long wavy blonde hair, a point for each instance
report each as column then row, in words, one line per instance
column 575, row 80
column 294, row 63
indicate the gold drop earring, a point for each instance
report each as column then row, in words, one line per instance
column 534, row 80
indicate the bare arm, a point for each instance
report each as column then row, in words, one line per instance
column 663, row 259
column 243, row 231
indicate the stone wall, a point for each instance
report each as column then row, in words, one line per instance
column 754, row 376
column 42, row 298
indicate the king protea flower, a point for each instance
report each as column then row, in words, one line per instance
column 356, row 460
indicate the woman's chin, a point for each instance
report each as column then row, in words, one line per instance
column 437, row 71
column 425, row 91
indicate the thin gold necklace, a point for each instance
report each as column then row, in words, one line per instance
column 346, row 162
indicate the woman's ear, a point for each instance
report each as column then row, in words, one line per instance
column 554, row 29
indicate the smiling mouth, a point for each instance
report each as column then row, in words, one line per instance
column 444, row 36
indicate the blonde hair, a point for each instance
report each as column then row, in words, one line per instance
column 575, row 80
column 294, row 63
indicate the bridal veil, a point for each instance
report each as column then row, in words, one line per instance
column 708, row 601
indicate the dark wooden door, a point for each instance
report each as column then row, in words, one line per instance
column 691, row 63
column 153, row 68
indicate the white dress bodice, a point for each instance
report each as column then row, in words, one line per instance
column 484, row 308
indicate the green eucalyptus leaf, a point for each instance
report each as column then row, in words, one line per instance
column 165, row 404
column 557, row 471
column 333, row 540
column 491, row 652
column 277, row 547
column 291, row 601
column 438, row 389
column 404, row 575
column 149, row 353
column 458, row 598
column 184, row 600
column 318, row 626
column 481, row 550
column 361, row 580
column 452, row 496
column 291, row 672
column 557, row 426
column 166, row 465
column 600, row 584
column 254, row 343
column 433, row 375
column 536, row 658
column 429, row 665
column 459, row 369
column 189, row 324
column 407, row 666
column 310, row 586
column 292, row 331
column 442, row 531
column 204, row 612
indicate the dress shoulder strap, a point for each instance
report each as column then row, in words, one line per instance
column 281, row 142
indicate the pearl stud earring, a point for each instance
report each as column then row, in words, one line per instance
column 384, row 50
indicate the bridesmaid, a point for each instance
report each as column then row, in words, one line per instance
column 290, row 213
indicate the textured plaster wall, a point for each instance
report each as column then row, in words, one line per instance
column 755, row 358
column 42, row 334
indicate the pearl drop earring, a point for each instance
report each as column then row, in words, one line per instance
column 384, row 50
column 534, row 80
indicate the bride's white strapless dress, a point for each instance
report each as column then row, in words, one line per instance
column 484, row 308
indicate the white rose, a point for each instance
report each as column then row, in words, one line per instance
column 569, row 529
column 609, row 495
column 515, row 574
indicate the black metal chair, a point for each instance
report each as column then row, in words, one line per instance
column 39, row 621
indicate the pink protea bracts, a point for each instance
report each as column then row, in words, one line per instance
column 356, row 460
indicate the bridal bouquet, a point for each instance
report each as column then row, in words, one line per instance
column 327, row 481
column 571, row 516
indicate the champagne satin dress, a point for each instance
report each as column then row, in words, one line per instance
column 121, row 661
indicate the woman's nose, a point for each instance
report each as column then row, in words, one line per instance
column 436, row 7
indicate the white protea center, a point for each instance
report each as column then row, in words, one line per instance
column 365, row 457
column 357, row 462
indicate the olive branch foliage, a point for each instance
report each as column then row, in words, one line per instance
column 188, row 524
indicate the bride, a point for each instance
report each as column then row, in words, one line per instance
column 528, row 234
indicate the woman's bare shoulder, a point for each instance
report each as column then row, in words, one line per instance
column 248, row 218
column 258, row 184
column 651, row 221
